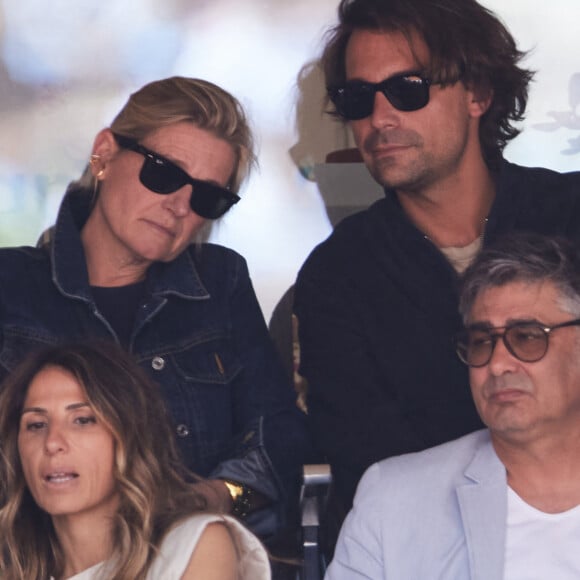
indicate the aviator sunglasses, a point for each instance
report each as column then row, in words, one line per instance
column 355, row 100
column 527, row 341
column 164, row 177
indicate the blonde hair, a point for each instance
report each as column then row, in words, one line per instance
column 153, row 492
column 178, row 99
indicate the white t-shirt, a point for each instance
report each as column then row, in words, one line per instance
column 176, row 549
column 541, row 546
column 462, row 257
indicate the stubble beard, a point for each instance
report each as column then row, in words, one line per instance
column 409, row 178
column 414, row 170
column 406, row 170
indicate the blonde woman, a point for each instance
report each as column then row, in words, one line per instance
column 121, row 264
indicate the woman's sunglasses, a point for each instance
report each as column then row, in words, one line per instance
column 164, row 177
column 355, row 100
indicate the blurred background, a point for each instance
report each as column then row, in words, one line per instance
column 67, row 66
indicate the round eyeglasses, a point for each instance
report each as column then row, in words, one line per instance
column 526, row 341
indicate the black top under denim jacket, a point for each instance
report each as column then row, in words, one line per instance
column 199, row 333
column 377, row 309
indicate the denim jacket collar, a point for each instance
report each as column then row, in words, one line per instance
column 69, row 270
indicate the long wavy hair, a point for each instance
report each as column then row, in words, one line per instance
column 153, row 492
column 466, row 42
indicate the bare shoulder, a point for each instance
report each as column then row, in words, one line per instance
column 215, row 556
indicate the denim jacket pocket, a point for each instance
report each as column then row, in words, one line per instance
column 200, row 390
column 208, row 362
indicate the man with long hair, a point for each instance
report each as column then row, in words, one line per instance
column 432, row 90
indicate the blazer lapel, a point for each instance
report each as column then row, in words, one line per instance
column 483, row 505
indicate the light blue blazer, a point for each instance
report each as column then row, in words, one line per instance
column 435, row 515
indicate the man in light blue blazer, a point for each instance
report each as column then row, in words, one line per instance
column 502, row 503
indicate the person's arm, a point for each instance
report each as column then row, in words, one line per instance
column 214, row 557
column 271, row 442
column 359, row 553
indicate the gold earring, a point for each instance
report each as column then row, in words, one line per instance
column 96, row 187
column 92, row 161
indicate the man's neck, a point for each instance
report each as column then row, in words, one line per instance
column 452, row 212
column 544, row 473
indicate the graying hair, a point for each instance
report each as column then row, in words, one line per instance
column 524, row 257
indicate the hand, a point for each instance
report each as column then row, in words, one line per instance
column 216, row 494
column 219, row 499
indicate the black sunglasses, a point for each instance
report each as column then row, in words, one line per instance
column 527, row 341
column 162, row 176
column 355, row 100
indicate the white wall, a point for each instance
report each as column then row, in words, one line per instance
column 66, row 66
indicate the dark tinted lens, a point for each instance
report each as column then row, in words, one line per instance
column 162, row 177
column 210, row 201
column 474, row 347
column 528, row 342
column 355, row 100
column 407, row 93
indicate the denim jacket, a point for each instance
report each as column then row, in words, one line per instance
column 199, row 333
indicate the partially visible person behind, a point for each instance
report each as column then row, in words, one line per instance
column 125, row 262
column 504, row 502
column 433, row 91
column 91, row 486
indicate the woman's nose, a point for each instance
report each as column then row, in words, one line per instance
column 55, row 440
column 178, row 201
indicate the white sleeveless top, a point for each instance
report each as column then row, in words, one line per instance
column 176, row 549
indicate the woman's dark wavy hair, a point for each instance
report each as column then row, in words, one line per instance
column 153, row 493
column 466, row 42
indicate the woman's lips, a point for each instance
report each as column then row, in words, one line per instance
column 58, row 477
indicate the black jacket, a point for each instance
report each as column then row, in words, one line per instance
column 377, row 310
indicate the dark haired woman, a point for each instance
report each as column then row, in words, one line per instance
column 90, row 486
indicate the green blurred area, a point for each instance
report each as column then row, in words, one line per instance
column 19, row 230
column 22, row 208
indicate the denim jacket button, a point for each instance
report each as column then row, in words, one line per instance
column 158, row 363
column 182, row 430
